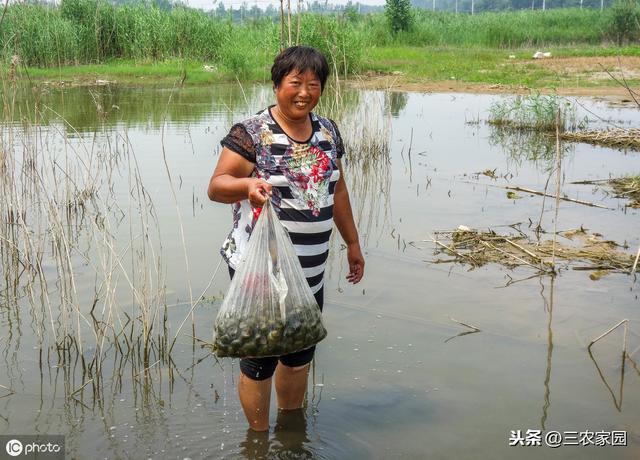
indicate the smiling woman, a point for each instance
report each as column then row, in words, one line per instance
column 290, row 155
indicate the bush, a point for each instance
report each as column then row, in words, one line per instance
column 399, row 15
column 624, row 21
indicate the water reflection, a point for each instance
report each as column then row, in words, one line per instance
column 527, row 146
column 617, row 401
column 395, row 102
column 85, row 108
column 547, row 375
column 290, row 439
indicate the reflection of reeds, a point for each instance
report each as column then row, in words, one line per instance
column 365, row 126
column 523, row 125
column 616, row 401
column 526, row 145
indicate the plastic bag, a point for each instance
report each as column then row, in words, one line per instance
column 269, row 309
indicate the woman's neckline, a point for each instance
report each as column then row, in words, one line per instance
column 287, row 134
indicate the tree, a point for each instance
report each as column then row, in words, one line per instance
column 624, row 21
column 399, row 15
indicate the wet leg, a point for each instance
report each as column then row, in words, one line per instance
column 291, row 386
column 255, row 397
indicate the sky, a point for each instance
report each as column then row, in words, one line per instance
column 211, row 4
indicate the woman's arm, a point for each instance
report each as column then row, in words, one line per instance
column 343, row 217
column 230, row 181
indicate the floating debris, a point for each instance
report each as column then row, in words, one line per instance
column 478, row 248
column 623, row 187
column 615, row 137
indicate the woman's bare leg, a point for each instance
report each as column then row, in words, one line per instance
column 255, row 398
column 291, row 386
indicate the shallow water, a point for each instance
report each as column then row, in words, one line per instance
column 394, row 379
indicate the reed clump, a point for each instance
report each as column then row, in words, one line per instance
column 63, row 228
column 534, row 112
column 96, row 32
column 504, row 29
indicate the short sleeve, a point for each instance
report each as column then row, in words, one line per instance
column 240, row 141
column 338, row 140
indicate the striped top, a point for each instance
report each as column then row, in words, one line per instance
column 303, row 175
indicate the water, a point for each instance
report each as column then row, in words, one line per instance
column 396, row 377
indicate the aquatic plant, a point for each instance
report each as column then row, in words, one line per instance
column 535, row 112
column 60, row 232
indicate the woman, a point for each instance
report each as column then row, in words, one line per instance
column 292, row 156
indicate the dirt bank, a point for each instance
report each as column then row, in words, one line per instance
column 584, row 76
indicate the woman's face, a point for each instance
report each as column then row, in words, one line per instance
column 297, row 94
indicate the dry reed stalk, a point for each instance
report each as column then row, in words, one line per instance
column 193, row 306
column 558, row 171
column 289, row 21
column 465, row 324
column 298, row 20
column 175, row 199
column 635, row 262
column 42, row 195
column 609, row 331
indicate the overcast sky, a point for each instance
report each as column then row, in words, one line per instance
column 211, row 4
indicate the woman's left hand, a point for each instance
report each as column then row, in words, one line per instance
column 356, row 263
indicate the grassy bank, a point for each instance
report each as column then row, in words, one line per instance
column 130, row 72
column 575, row 66
column 94, row 31
column 569, row 67
column 85, row 40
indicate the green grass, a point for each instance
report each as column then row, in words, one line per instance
column 128, row 71
column 482, row 65
column 417, row 65
column 84, row 39
column 498, row 29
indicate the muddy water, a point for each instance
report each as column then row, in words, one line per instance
column 396, row 377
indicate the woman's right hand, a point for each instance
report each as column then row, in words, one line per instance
column 258, row 190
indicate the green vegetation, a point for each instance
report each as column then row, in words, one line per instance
column 625, row 21
column 504, row 29
column 399, row 15
column 139, row 41
column 525, row 127
column 486, row 65
column 95, row 32
column 536, row 112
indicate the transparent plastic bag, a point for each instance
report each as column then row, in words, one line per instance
column 269, row 309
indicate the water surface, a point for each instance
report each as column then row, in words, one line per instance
column 393, row 379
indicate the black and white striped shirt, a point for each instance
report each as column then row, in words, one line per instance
column 303, row 175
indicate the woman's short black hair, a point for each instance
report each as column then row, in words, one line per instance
column 299, row 59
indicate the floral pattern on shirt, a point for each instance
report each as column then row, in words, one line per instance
column 307, row 168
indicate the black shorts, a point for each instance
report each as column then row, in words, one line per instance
column 263, row 368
